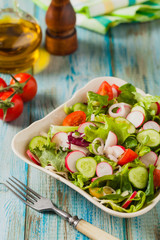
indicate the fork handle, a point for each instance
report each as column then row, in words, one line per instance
column 93, row 232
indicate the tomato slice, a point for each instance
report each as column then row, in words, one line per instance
column 128, row 156
column 105, row 89
column 156, row 177
column 75, row 119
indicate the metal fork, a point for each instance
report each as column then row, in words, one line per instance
column 41, row 204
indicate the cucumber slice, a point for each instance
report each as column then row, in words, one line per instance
column 39, row 142
column 152, row 135
column 86, row 166
column 138, row 177
column 79, row 107
column 131, row 127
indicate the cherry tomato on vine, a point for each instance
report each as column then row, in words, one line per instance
column 13, row 106
column 29, row 90
column 3, row 84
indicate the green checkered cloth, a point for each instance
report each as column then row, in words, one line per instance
column 100, row 15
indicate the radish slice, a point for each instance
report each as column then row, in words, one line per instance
column 71, row 158
column 82, row 149
column 104, row 168
column 123, row 110
column 83, row 125
column 33, row 157
column 156, row 106
column 129, row 200
column 117, row 150
column 111, row 140
column 61, row 140
column 115, row 92
column 151, row 125
column 136, row 118
column 149, row 158
column 100, row 149
column 158, row 161
column 93, row 179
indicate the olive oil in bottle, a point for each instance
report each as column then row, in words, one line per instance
column 19, row 42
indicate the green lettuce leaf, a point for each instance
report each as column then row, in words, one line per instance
column 146, row 101
column 55, row 128
column 53, row 157
column 119, row 128
column 79, row 180
column 93, row 132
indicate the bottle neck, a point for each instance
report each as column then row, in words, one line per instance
column 8, row 4
column 60, row 2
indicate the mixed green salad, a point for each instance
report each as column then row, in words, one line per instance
column 108, row 146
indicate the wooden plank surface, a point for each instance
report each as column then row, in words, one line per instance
column 131, row 52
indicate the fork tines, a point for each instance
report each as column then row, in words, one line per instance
column 28, row 196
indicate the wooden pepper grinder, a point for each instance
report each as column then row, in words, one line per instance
column 61, row 36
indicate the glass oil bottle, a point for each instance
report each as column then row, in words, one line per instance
column 20, row 38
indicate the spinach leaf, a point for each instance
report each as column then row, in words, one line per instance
column 138, row 201
column 126, row 94
column 125, row 184
column 150, row 188
column 96, row 103
column 116, row 197
column 141, row 149
column 130, row 142
column 101, row 181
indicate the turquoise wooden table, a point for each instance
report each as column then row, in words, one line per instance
column 130, row 52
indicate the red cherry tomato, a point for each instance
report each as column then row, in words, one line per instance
column 3, row 84
column 75, row 119
column 14, row 111
column 30, row 89
column 105, row 89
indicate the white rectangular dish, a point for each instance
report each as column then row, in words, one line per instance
column 22, row 139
